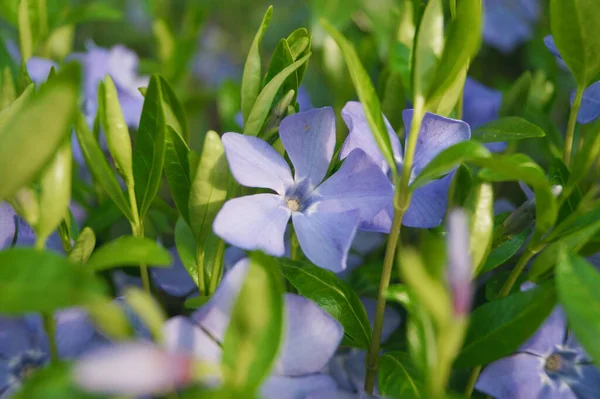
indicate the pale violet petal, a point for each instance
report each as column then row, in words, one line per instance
column 281, row 387
column 550, row 334
column 590, row 104
column 428, row 204
column 182, row 336
column 520, row 376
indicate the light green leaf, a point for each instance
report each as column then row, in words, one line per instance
column 129, row 251
column 177, row 170
column 255, row 331
column 174, row 112
column 499, row 327
column 96, row 162
column 332, row 295
column 52, row 381
column 8, row 91
column 480, row 206
column 84, row 246
column 33, row 26
column 575, row 28
column 506, row 129
column 398, row 377
column 17, row 105
column 37, row 130
column 262, row 106
column 429, row 45
column 149, row 151
column 148, row 310
column 578, row 285
column 366, row 94
column 252, row 77
column 39, row 281
column 90, row 12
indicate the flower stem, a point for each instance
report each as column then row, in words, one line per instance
column 401, row 202
column 217, row 271
column 137, row 229
column 50, row 327
column 295, row 245
column 200, row 263
column 472, row 380
column 571, row 126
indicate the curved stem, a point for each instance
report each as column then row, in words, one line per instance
column 218, row 266
column 295, row 247
column 48, row 318
column 401, row 202
column 571, row 126
column 472, row 381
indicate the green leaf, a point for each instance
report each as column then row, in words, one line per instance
column 397, row 377
column 429, row 45
column 506, row 129
column 51, row 382
column 129, row 251
column 262, row 105
column 446, row 160
column 255, row 331
column 37, row 130
column 480, row 206
column 282, row 57
column 575, row 28
column 460, row 187
column 332, row 295
column 559, row 174
column 209, row 188
column 115, row 129
column 55, row 191
column 91, row 12
column 38, row 281
column 174, row 112
column 462, row 43
column 504, row 250
column 515, row 99
column 586, row 157
column 33, row 26
column 96, row 162
column 84, row 245
column 186, row 248
column 196, row 302
column 17, row 105
column 252, row 77
column 177, row 170
column 148, row 310
column 366, row 95
column 9, row 10
column 149, row 151
column 8, row 91
column 499, row 327
column 578, row 286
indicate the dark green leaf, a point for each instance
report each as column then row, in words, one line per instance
column 85, row 244
column 149, row 151
column 397, row 376
column 499, row 327
column 282, row 57
column 38, row 281
column 37, row 130
column 559, row 174
column 177, row 170
column 578, row 285
column 507, row 129
column 174, row 112
column 252, row 76
column 429, row 46
column 505, row 250
column 91, row 12
column 460, row 187
column 186, row 248
column 255, row 331
column 515, row 99
column 333, row 295
column 129, row 251
column 586, row 157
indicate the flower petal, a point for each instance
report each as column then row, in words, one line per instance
column 520, row 376
column 74, row 332
column 587, row 385
column 254, row 163
column 507, row 24
column 8, row 224
column 278, row 387
column 590, row 104
column 358, row 184
column 437, row 133
column 16, row 336
column 326, row 237
column 173, row 280
column 182, row 336
column 39, row 69
column 309, row 139
column 361, row 137
column 481, row 104
column 366, row 242
column 311, row 337
column 334, row 394
column 232, row 256
column 551, row 334
column 254, row 222
column 428, row 205
column 391, row 319
column 215, row 314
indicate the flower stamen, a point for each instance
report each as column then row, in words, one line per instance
column 553, row 362
column 293, row 204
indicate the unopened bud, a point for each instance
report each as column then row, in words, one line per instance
column 460, row 266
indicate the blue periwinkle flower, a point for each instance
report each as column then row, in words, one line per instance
column 509, row 23
column 175, row 280
column 481, row 105
column 551, row 364
column 325, row 214
column 428, row 204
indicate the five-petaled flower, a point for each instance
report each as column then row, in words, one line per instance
column 428, row 205
column 325, row 214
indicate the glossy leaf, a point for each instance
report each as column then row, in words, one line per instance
column 84, row 246
column 576, row 32
column 129, row 251
column 429, row 46
column 332, row 295
column 177, row 170
column 480, row 206
column 499, row 327
column 366, row 95
column 97, row 164
column 252, row 77
column 37, row 129
column 186, row 248
column 282, row 57
column 397, row 377
column 38, row 281
column 149, row 151
column 578, row 286
column 255, row 331
column 262, row 106
column 506, row 129
column 173, row 109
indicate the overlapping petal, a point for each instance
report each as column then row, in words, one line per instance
column 428, row 204
column 254, row 222
column 309, row 139
column 254, row 163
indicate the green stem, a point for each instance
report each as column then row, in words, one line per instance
column 571, row 126
column 50, row 327
column 401, row 202
column 217, row 272
column 200, row 262
column 472, row 381
column 295, row 250
column 137, row 229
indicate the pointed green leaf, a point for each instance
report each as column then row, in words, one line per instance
column 429, row 45
column 506, row 129
column 398, row 377
column 177, row 170
column 84, row 246
column 186, row 248
column 480, row 206
column 8, row 91
column 174, row 112
column 129, row 251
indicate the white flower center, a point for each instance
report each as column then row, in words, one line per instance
column 293, row 204
column 553, row 362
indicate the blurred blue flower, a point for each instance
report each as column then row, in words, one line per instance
column 509, row 23
column 311, row 338
column 428, row 205
column 590, row 102
column 551, row 364
column 24, row 346
column 174, row 280
column 481, row 105
column 39, row 69
column 325, row 215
